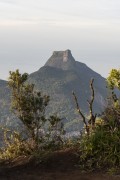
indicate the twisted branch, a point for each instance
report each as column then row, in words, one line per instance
column 80, row 112
column 92, row 118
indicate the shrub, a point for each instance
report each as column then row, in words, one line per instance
column 101, row 149
column 15, row 145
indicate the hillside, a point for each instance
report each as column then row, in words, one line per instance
column 7, row 118
column 4, row 102
column 59, row 77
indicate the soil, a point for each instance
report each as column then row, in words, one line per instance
column 60, row 165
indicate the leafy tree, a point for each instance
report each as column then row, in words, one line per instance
column 29, row 105
column 114, row 82
column 114, row 79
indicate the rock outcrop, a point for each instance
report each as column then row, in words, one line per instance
column 62, row 60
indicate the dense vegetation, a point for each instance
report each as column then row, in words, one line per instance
column 98, row 146
column 101, row 149
column 29, row 106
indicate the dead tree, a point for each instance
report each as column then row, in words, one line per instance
column 92, row 117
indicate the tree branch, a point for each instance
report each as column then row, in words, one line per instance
column 80, row 112
column 90, row 103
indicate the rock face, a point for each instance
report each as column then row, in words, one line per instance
column 59, row 77
column 62, row 60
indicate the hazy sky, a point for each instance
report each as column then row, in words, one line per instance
column 30, row 30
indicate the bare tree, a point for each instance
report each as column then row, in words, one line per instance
column 91, row 121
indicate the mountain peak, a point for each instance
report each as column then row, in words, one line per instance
column 62, row 60
column 66, row 55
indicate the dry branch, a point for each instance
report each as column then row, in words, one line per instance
column 80, row 112
column 90, row 103
column 91, row 121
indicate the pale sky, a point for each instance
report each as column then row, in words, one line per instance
column 30, row 30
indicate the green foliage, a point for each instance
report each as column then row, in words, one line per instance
column 98, row 149
column 15, row 145
column 102, row 148
column 27, row 104
column 114, row 79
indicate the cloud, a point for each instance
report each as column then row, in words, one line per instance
column 7, row 1
column 83, row 12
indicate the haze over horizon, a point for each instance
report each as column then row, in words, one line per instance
column 31, row 30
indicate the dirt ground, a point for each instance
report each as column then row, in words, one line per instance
column 60, row 165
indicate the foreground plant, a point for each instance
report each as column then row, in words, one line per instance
column 101, row 149
column 18, row 144
column 28, row 105
column 88, row 123
column 15, row 145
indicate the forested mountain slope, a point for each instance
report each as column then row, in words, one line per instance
column 59, row 77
